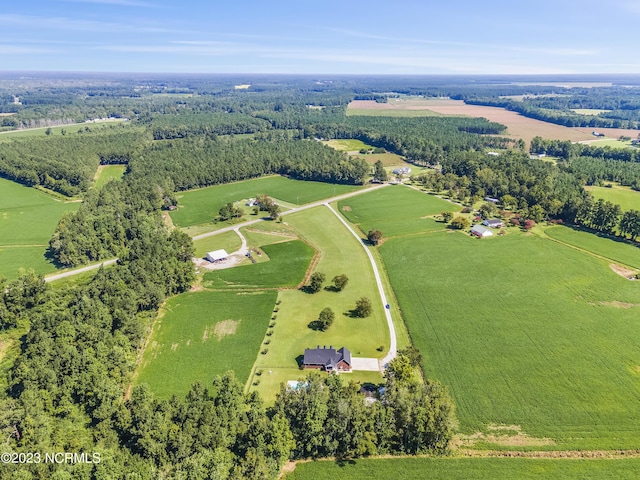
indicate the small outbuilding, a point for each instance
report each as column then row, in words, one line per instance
column 493, row 223
column 217, row 255
column 480, row 231
column 327, row 359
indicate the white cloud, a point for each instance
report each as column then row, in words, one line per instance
column 20, row 50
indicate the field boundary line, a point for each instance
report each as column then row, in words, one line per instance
column 589, row 252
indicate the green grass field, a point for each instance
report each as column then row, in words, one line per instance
column 627, row 198
column 610, row 142
column 106, row 173
column 340, row 253
column 524, row 331
column 468, row 468
column 28, row 218
column 609, row 248
column 395, row 210
column 348, row 145
column 204, row 334
column 202, row 205
column 285, row 269
column 230, row 241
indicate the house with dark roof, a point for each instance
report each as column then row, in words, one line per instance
column 493, row 223
column 327, row 359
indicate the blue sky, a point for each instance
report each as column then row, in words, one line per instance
column 332, row 36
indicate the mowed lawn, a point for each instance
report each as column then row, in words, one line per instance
column 395, row 210
column 230, row 241
column 203, row 334
column 617, row 251
column 627, row 198
column 524, row 331
column 28, row 218
column 285, row 269
column 340, row 253
column 468, row 468
column 202, row 205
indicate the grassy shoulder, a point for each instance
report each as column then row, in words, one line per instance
column 466, row 468
column 545, row 343
column 199, row 335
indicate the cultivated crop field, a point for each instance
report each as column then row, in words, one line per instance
column 202, row 205
column 199, row 335
column 340, row 253
column 468, row 468
column 395, row 210
column 28, row 218
column 518, row 126
column 627, row 198
column 609, row 248
column 286, row 269
column 525, row 332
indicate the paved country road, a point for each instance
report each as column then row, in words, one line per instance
column 58, row 276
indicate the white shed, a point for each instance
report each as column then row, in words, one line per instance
column 217, row 255
column 481, row 231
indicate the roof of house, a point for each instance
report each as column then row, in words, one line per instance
column 326, row 356
column 492, row 221
column 217, row 255
column 480, row 230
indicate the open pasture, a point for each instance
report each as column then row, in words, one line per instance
column 106, row 173
column 589, row 111
column 199, row 335
column 627, row 198
column 340, row 253
column 230, row 241
column 347, row 145
column 28, row 218
column 286, row 268
column 526, row 332
column 395, row 210
column 609, row 248
column 468, row 468
column 202, row 205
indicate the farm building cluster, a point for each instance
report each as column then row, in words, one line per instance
column 484, row 230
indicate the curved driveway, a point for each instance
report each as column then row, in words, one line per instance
column 393, row 347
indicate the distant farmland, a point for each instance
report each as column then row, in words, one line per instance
column 518, row 126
